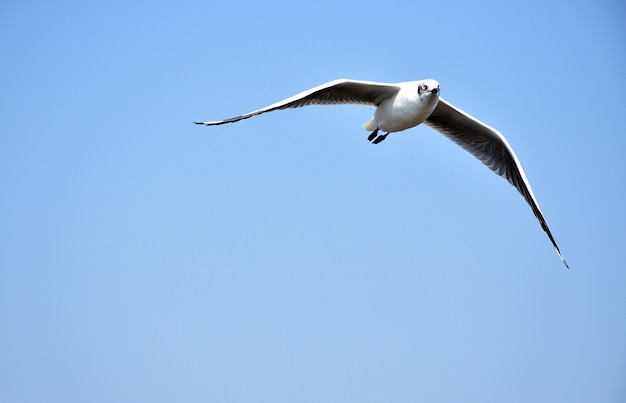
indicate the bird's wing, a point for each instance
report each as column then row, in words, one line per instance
column 335, row 92
column 489, row 146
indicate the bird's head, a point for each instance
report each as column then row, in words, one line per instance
column 428, row 90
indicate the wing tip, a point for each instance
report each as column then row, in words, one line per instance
column 210, row 123
column 558, row 251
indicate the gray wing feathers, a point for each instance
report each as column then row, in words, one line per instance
column 334, row 92
column 489, row 146
column 482, row 141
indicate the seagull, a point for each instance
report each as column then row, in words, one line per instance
column 400, row 106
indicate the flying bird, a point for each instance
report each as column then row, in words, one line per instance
column 400, row 106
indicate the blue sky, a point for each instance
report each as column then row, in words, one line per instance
column 285, row 258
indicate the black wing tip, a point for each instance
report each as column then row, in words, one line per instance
column 558, row 251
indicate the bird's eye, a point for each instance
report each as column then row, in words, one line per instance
column 423, row 87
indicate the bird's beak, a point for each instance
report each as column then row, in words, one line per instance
column 435, row 90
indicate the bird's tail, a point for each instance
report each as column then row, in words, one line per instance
column 370, row 124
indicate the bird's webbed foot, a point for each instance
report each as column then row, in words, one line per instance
column 373, row 135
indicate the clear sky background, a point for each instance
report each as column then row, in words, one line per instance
column 285, row 258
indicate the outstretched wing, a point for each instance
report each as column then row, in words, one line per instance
column 335, row 92
column 489, row 146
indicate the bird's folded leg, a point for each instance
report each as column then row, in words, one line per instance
column 373, row 135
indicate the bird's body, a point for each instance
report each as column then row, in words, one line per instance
column 401, row 106
column 404, row 110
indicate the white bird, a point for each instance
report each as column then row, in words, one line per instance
column 400, row 106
